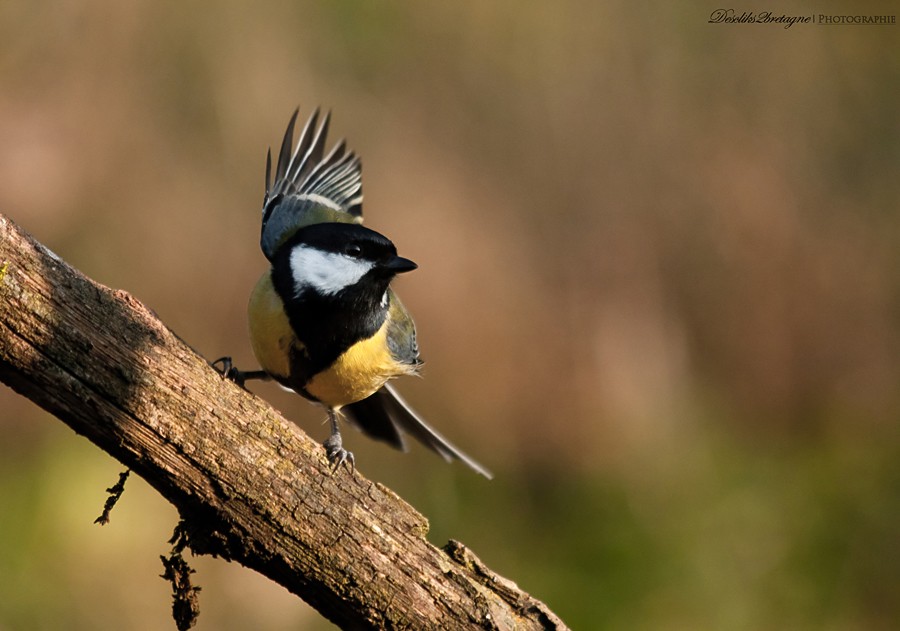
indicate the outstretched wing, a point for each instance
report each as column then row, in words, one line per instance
column 309, row 188
column 386, row 416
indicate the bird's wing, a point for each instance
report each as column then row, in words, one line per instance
column 401, row 333
column 309, row 188
column 386, row 416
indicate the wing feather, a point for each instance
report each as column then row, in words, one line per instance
column 309, row 188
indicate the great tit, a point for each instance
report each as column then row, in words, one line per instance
column 324, row 321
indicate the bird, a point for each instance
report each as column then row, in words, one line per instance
column 324, row 321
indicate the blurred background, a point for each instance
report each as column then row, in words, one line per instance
column 659, row 289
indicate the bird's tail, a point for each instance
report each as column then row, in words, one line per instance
column 386, row 416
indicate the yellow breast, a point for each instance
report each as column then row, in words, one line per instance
column 358, row 373
column 270, row 332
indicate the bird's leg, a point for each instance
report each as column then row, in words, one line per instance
column 334, row 448
column 228, row 371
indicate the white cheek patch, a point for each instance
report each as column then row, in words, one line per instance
column 326, row 272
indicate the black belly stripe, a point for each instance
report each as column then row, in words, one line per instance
column 326, row 326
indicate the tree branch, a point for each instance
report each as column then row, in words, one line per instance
column 250, row 486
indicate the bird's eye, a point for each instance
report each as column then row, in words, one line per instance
column 353, row 250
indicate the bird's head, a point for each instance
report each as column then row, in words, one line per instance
column 330, row 259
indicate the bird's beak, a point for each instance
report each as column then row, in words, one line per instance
column 398, row 265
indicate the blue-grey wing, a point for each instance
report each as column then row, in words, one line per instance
column 309, row 188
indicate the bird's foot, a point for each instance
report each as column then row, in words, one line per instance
column 240, row 377
column 336, row 454
column 225, row 367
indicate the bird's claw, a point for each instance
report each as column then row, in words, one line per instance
column 227, row 368
column 228, row 371
column 337, row 455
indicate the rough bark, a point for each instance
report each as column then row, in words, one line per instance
column 251, row 486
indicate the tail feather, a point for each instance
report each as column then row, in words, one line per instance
column 386, row 416
column 371, row 417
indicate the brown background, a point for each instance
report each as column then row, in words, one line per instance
column 658, row 290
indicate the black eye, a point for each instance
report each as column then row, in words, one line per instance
column 352, row 249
